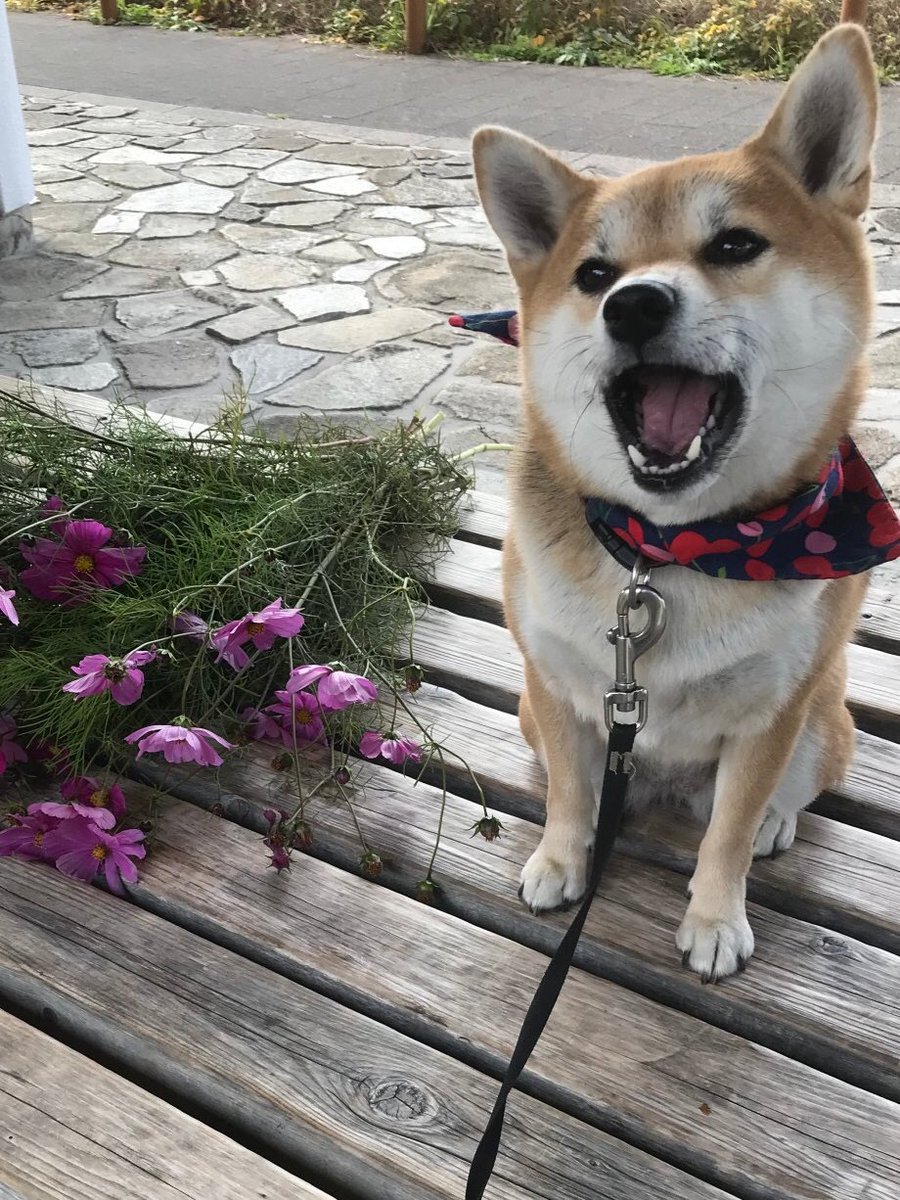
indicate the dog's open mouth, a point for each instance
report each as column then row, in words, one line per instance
column 673, row 421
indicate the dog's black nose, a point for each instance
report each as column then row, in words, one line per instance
column 638, row 312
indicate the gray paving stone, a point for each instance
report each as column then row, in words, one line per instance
column 187, row 197
column 235, row 211
column 385, row 378
column 269, row 194
column 199, row 279
column 118, row 222
column 351, row 334
column 246, row 157
column 442, row 335
column 202, row 407
column 296, row 170
column 423, row 191
column 306, row 216
column 396, row 247
column 357, row 156
column 105, row 141
column 86, row 245
column 458, row 281
column 361, row 272
column 56, row 137
column 342, row 185
column 884, row 360
column 164, row 312
column 79, row 189
column 389, row 176
column 66, row 218
column 52, row 347
column 486, row 411
column 169, row 363
column 317, row 300
column 263, row 239
column 50, row 174
column 339, row 252
column 174, row 225
column 203, row 250
column 249, row 323
column 123, row 281
column 133, row 175
column 40, row 276
column 142, row 154
column 217, row 175
column 496, row 363
column 280, row 139
column 264, row 272
column 52, row 119
column 475, row 237
column 88, row 377
column 402, row 213
column 265, row 366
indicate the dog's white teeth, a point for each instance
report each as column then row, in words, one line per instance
column 693, row 451
column 635, row 455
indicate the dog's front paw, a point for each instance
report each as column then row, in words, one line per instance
column 715, row 945
column 553, row 880
column 776, row 834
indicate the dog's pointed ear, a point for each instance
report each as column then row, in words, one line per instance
column 526, row 191
column 824, row 125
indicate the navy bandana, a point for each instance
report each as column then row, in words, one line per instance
column 840, row 525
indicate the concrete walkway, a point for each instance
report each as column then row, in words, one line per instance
column 601, row 110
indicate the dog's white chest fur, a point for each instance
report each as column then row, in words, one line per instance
column 731, row 655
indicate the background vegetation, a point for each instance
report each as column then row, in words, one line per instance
column 766, row 37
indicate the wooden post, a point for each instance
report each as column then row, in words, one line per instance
column 109, row 11
column 416, row 26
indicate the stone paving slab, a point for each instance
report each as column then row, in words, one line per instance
column 185, row 255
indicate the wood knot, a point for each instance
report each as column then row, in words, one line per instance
column 834, row 947
column 401, row 1100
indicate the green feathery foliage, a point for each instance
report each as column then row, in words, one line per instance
column 341, row 522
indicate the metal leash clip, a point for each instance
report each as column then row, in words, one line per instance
column 626, row 696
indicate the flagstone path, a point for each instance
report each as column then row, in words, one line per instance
column 183, row 255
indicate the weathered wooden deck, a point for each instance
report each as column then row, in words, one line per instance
column 231, row 1033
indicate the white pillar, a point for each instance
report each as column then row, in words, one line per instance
column 16, row 179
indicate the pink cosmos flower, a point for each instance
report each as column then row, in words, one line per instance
column 27, row 839
column 259, row 726
column 337, row 690
column 302, row 677
column 179, row 743
column 65, row 570
column 82, row 850
column 340, row 689
column 10, row 749
column 7, row 608
column 260, row 628
column 297, row 712
column 188, row 624
column 394, row 749
column 121, row 677
column 87, row 798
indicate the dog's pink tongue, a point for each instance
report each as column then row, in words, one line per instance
column 676, row 405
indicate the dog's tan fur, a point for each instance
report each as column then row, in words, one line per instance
column 760, row 758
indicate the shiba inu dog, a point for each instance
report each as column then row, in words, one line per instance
column 692, row 339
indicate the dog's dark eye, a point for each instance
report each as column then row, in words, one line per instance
column 594, row 275
column 733, row 247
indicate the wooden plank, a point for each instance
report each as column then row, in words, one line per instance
column 325, row 1088
column 73, row 1130
column 825, row 999
column 481, row 662
column 491, row 745
column 483, row 517
column 639, row 1066
column 873, row 689
column 467, row 580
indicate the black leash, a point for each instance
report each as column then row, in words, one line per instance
column 625, row 696
column 619, row 770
